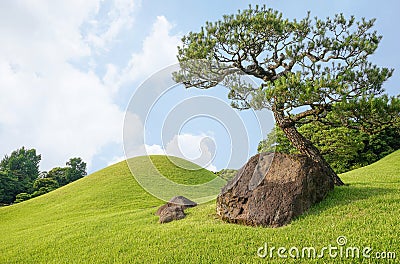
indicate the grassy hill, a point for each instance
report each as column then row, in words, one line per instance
column 106, row 217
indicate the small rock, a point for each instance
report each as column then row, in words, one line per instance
column 161, row 208
column 174, row 209
column 182, row 201
column 171, row 213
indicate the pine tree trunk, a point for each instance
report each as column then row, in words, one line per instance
column 304, row 145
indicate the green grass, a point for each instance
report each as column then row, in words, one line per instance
column 166, row 176
column 180, row 170
column 106, row 217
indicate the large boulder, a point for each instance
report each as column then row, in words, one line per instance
column 273, row 188
column 174, row 209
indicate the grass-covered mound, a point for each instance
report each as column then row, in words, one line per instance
column 106, row 217
column 166, row 177
column 180, row 170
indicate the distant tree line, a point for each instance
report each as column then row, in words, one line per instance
column 343, row 148
column 20, row 178
column 226, row 174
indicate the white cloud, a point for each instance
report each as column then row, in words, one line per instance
column 105, row 29
column 199, row 149
column 211, row 167
column 110, row 78
column 187, row 145
column 115, row 160
column 66, row 114
column 35, row 34
column 47, row 103
column 154, row 150
column 52, row 105
column 159, row 50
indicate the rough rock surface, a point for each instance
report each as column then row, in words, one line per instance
column 182, row 201
column 174, row 209
column 273, row 188
column 170, row 213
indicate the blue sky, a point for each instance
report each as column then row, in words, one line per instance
column 68, row 70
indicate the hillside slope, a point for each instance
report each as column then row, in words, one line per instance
column 106, row 217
